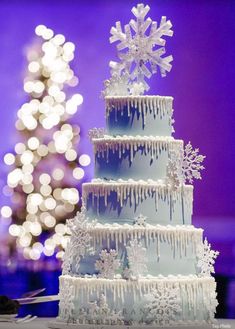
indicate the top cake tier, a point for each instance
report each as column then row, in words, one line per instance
column 139, row 115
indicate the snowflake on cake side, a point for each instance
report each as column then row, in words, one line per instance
column 192, row 163
column 136, row 256
column 140, row 220
column 206, row 258
column 80, row 241
column 140, row 50
column 108, row 264
column 162, row 305
column 100, row 313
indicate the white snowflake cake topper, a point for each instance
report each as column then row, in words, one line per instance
column 162, row 305
column 192, row 163
column 140, row 50
column 107, row 264
column 206, row 258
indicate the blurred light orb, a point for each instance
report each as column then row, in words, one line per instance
column 49, row 221
column 60, row 229
column 20, row 148
column 14, row 230
column 45, row 179
column 26, row 157
column 58, row 39
column 42, row 150
column 40, row 29
column 33, row 143
column 71, row 155
column 78, row 173
column 58, row 174
column 45, row 190
column 50, row 203
column 34, row 254
column 77, row 99
column 35, row 229
column 9, row 159
column 6, row 212
column 38, row 246
column 84, row 160
column 33, row 67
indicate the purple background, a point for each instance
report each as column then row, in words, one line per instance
column 202, row 83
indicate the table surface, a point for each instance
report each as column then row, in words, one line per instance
column 42, row 323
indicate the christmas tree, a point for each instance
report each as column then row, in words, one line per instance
column 45, row 168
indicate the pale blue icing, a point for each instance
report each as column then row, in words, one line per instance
column 110, row 165
column 120, row 123
column 167, row 212
column 169, row 262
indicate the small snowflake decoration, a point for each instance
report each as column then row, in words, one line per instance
column 80, row 241
column 108, row 264
column 206, row 258
column 141, row 47
column 117, row 85
column 162, row 305
column 96, row 133
column 100, row 313
column 192, row 163
column 136, row 255
column 140, row 220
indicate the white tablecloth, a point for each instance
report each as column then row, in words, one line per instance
column 42, row 323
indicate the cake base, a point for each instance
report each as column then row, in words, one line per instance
column 62, row 325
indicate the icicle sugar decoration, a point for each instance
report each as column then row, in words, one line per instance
column 140, row 47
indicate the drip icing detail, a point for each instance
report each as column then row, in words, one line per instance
column 105, row 146
column 136, row 191
column 180, row 238
column 157, row 105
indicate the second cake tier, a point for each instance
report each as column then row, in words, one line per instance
column 124, row 202
column 139, row 157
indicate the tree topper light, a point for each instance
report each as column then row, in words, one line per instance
column 140, row 50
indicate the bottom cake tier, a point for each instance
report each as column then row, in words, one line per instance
column 152, row 301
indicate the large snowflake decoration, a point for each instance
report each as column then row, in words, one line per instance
column 80, row 241
column 140, row 220
column 108, row 264
column 100, row 313
column 136, row 255
column 206, row 258
column 141, row 46
column 192, row 163
column 96, row 133
column 162, row 305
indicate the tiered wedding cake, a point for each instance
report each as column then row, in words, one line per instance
column 134, row 257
